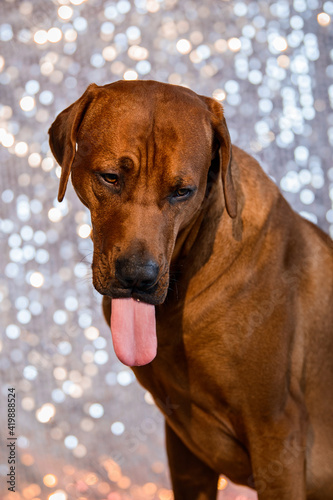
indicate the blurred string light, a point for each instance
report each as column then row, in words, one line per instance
column 270, row 67
column 50, row 480
column 184, row 46
column 45, row 413
column 223, row 483
column 324, row 19
column 65, row 12
column 58, row 495
column 84, row 231
column 27, row 103
column 234, row 44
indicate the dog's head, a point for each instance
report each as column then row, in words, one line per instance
column 139, row 153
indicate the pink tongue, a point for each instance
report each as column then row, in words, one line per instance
column 133, row 329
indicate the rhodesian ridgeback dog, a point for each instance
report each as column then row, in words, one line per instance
column 218, row 294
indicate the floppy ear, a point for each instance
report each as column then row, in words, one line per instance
column 222, row 135
column 63, row 133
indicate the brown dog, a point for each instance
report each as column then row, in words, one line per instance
column 191, row 230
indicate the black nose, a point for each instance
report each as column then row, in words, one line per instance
column 135, row 272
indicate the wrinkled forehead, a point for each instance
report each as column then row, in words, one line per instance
column 117, row 123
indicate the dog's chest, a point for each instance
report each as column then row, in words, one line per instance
column 192, row 401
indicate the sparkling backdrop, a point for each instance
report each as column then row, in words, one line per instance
column 85, row 429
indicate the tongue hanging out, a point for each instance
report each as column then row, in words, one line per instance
column 133, row 329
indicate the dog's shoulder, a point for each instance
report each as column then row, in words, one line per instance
column 296, row 240
column 257, row 194
column 255, row 182
column 263, row 192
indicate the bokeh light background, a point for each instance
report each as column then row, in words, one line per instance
column 85, row 429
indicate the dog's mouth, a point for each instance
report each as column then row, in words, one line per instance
column 152, row 296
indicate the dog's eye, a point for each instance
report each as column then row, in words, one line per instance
column 182, row 192
column 110, row 178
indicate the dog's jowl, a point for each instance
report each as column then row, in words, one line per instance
column 218, row 294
